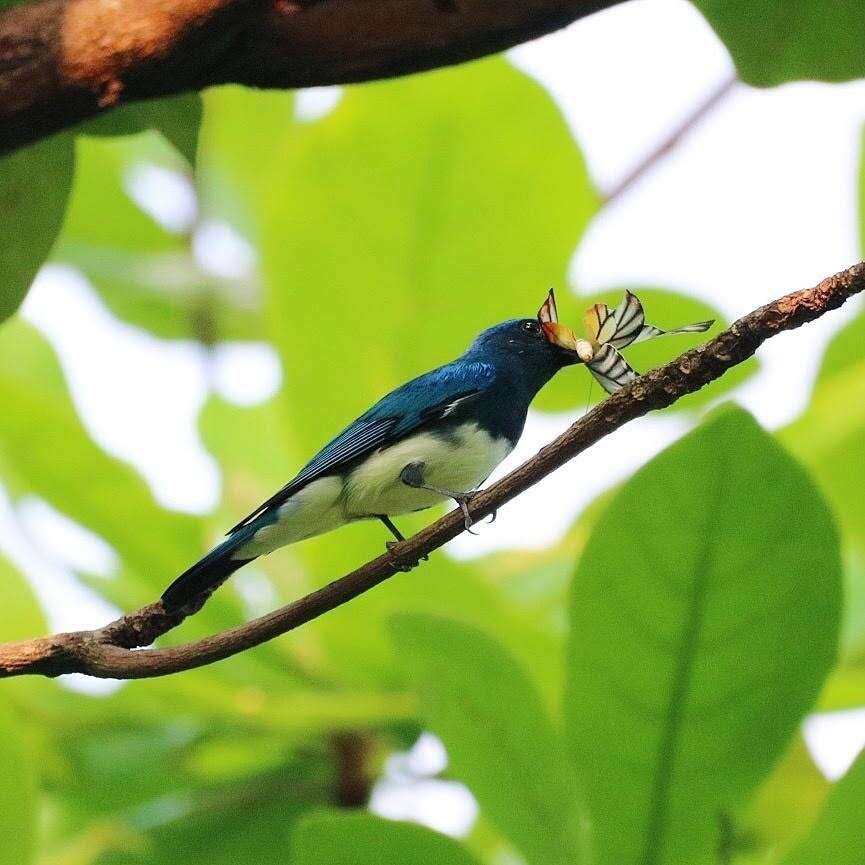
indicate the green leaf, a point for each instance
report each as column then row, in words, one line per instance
column 145, row 273
column 501, row 741
column 17, row 795
column 20, row 614
column 34, row 186
column 704, row 617
column 407, row 220
column 345, row 838
column 773, row 41
column 829, row 437
column 837, row 837
column 177, row 118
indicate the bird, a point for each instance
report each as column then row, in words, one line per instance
column 435, row 438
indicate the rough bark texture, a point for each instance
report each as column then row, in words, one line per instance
column 63, row 61
column 114, row 651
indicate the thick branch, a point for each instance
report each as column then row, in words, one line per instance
column 108, row 653
column 62, row 61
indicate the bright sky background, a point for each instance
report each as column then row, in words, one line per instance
column 758, row 200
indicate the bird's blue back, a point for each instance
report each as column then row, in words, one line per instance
column 425, row 400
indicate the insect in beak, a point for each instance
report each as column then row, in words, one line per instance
column 609, row 331
column 560, row 334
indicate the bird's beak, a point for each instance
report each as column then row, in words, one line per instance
column 560, row 335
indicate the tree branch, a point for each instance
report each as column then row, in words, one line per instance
column 115, row 650
column 63, row 61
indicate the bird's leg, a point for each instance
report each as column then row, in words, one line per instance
column 412, row 476
column 389, row 545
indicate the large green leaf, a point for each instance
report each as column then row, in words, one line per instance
column 773, row 41
column 17, row 795
column 500, row 739
column 704, row 617
column 837, row 837
column 406, row 221
column 346, row 838
column 34, row 186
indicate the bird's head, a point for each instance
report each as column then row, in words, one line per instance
column 540, row 342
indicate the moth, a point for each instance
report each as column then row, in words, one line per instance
column 607, row 333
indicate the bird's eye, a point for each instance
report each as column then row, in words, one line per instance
column 530, row 326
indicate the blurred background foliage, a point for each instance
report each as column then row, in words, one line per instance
column 633, row 693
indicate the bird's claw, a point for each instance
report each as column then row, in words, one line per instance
column 402, row 564
column 463, row 502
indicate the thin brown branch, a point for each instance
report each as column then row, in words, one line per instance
column 115, row 650
column 63, row 61
column 693, row 119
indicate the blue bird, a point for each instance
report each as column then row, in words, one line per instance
column 438, row 437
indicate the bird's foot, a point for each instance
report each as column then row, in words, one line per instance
column 402, row 564
column 463, row 501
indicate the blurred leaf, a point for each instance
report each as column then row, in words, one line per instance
column 392, row 223
column 704, row 617
column 177, row 118
column 773, row 41
column 837, row 838
column 829, row 437
column 251, row 826
column 667, row 309
column 20, row 614
column 345, row 838
column 146, row 273
column 17, row 795
column 34, row 186
column 44, row 449
column 500, row 740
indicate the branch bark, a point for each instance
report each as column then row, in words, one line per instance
column 115, row 651
column 63, row 61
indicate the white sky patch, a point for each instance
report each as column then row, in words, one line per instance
column 165, row 195
column 220, row 251
column 625, row 76
column 245, row 373
column 834, row 740
column 313, row 103
column 65, row 541
column 409, row 790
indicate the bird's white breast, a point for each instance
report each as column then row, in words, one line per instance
column 458, row 463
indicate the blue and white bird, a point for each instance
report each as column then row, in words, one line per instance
column 438, row 437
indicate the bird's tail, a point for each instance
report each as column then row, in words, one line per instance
column 208, row 573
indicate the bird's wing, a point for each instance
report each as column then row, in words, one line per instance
column 422, row 400
column 611, row 369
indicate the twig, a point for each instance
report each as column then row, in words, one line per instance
column 114, row 651
column 694, row 118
